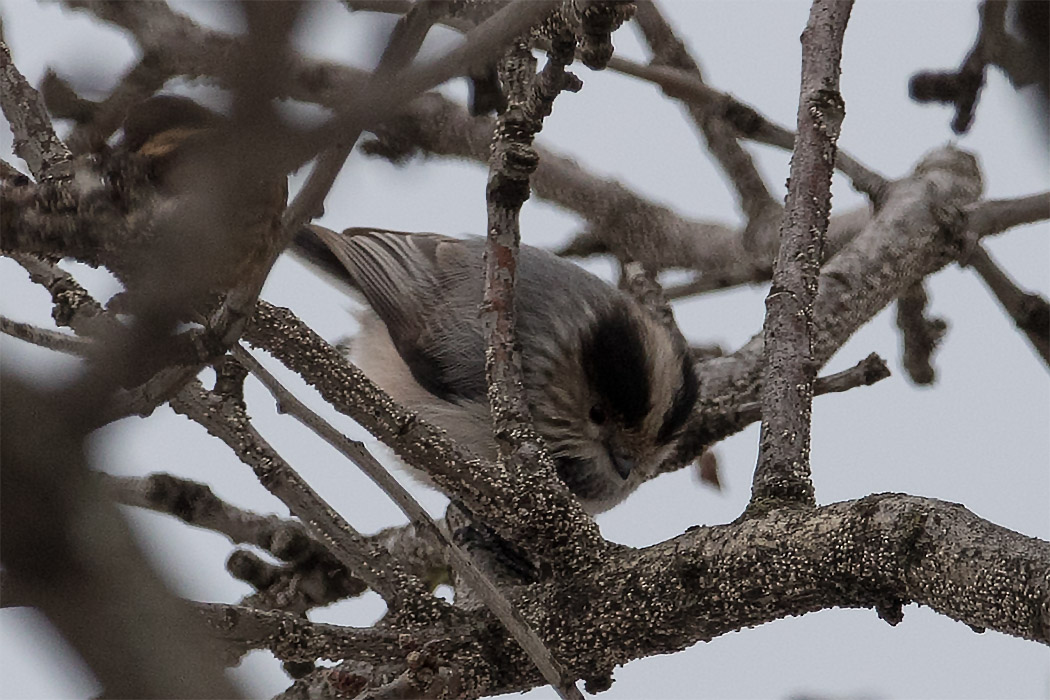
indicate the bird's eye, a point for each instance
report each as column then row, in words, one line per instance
column 597, row 415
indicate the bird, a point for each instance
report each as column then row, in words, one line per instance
column 609, row 387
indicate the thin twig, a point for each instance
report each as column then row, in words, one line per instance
column 356, row 452
column 995, row 45
column 920, row 335
column 868, row 371
column 754, row 198
column 1031, row 312
column 196, row 504
column 405, row 41
column 228, row 421
column 787, row 387
column 45, row 338
column 747, row 121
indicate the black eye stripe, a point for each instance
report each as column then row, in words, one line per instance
column 682, row 405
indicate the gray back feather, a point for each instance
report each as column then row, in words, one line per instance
column 427, row 289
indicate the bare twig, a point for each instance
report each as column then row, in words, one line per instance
column 53, row 340
column 1031, row 312
column 494, row 600
column 311, row 577
column 754, row 198
column 294, row 638
column 994, row 46
column 405, row 41
column 748, row 122
column 197, row 505
column 868, row 371
column 919, row 334
column 993, row 216
column 787, row 386
column 228, row 421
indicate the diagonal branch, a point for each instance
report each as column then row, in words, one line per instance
column 405, row 42
column 754, row 198
column 227, row 420
column 484, row 488
column 42, row 337
column 479, row 584
column 35, row 140
column 1029, row 311
column 746, row 121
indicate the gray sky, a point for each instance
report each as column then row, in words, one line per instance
column 979, row 437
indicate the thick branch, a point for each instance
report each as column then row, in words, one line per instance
column 881, row 552
column 918, row 230
column 35, row 140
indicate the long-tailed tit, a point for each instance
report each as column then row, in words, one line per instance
column 609, row 388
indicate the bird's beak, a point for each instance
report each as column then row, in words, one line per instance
column 623, row 463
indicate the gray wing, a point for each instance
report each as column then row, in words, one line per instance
column 425, row 287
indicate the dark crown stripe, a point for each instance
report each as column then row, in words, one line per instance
column 614, row 361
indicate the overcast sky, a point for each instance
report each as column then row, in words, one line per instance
column 979, row 437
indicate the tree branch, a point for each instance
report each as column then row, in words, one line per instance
column 479, row 584
column 782, row 473
column 994, row 46
column 882, row 552
column 42, row 337
column 227, row 420
column 746, row 121
column 868, row 371
column 919, row 335
column 491, row 492
column 1031, row 312
column 35, row 140
column 754, row 198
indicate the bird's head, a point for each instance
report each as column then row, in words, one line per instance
column 611, row 408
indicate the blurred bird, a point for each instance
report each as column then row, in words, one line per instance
column 609, row 388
